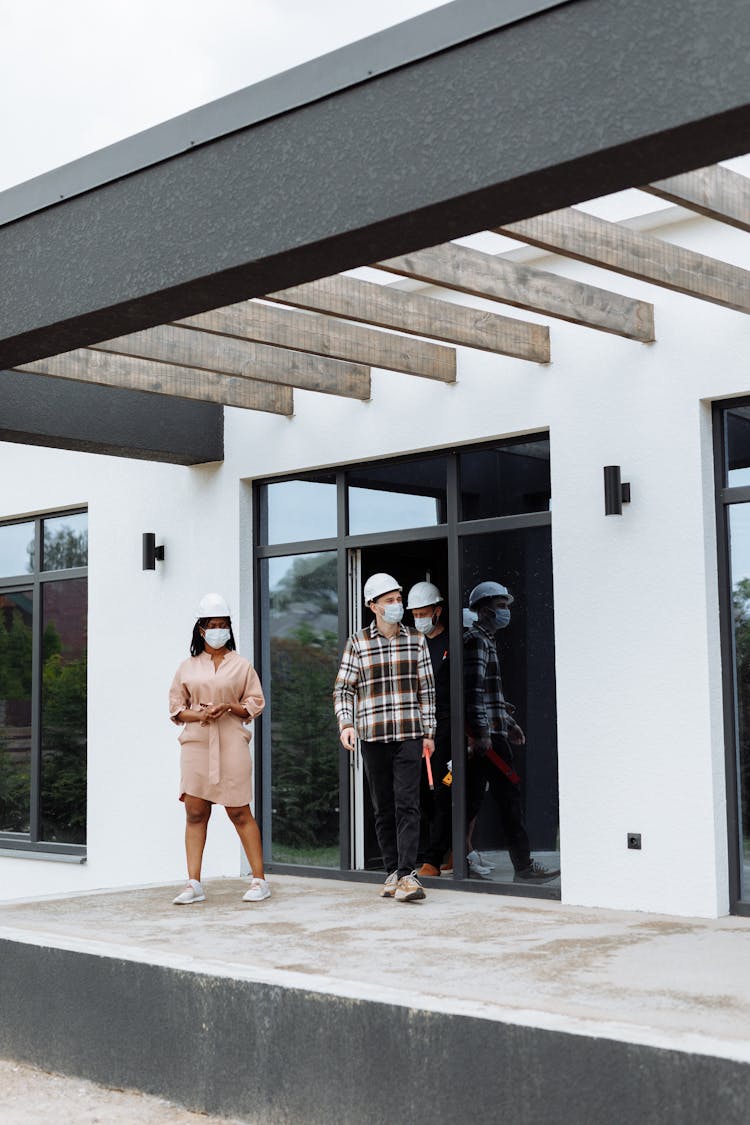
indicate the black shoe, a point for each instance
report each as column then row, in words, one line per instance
column 535, row 873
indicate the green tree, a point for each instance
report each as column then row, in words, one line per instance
column 304, row 740
column 309, row 579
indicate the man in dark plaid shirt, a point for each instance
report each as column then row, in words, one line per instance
column 491, row 728
column 386, row 676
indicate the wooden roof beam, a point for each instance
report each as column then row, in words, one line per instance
column 170, row 343
column 643, row 256
column 364, row 301
column 324, row 335
column 87, row 366
column 495, row 278
column 716, row 192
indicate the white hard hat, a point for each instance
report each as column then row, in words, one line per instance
column 213, row 605
column 423, row 594
column 379, row 584
column 488, row 590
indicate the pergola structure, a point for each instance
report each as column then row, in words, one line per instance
column 132, row 277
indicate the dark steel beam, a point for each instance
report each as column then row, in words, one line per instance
column 393, row 151
column 35, row 410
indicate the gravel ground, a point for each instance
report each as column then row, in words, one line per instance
column 36, row 1097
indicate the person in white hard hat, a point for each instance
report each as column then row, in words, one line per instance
column 426, row 605
column 386, row 671
column 491, row 728
column 214, row 693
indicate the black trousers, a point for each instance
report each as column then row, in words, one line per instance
column 437, row 803
column 393, row 771
column 506, row 795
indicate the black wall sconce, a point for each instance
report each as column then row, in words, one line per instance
column 615, row 492
column 151, row 552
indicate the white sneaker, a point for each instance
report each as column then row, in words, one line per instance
column 193, row 893
column 388, row 889
column 482, row 860
column 474, row 861
column 259, row 889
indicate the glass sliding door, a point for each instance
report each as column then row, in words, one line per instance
column 499, row 801
column 300, row 621
column 739, row 540
column 452, row 518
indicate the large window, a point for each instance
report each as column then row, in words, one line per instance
column 43, row 683
column 454, row 517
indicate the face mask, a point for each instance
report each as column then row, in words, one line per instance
column 216, row 638
column 393, row 613
column 424, row 624
column 502, row 618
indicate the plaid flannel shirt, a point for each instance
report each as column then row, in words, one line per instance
column 390, row 680
column 484, row 702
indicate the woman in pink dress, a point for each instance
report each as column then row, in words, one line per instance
column 213, row 694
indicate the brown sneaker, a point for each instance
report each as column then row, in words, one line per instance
column 409, row 888
column 447, row 867
column 388, row 889
column 429, row 869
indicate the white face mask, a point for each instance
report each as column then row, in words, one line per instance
column 424, row 624
column 216, row 638
column 393, row 613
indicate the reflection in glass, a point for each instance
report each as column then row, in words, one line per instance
column 301, row 509
column 522, row 561
column 16, row 549
column 302, row 628
column 393, row 496
column 66, row 541
column 505, row 481
column 15, row 710
column 64, row 712
column 737, row 468
column 739, row 533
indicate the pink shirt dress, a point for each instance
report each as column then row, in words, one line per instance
column 215, row 761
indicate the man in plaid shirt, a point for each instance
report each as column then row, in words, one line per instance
column 386, row 672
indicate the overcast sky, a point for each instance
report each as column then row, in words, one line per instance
column 76, row 75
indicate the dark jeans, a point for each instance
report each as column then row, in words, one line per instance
column 436, row 804
column 507, row 796
column 393, row 772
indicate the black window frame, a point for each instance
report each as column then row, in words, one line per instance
column 15, row 842
column 452, row 533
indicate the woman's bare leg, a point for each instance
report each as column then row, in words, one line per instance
column 197, row 813
column 249, row 834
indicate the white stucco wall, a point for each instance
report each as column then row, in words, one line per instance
column 636, row 605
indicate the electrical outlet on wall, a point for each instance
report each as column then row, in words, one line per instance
column 634, row 840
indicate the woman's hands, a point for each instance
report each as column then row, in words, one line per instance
column 210, row 712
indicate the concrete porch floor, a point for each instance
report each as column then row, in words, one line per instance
column 674, row 983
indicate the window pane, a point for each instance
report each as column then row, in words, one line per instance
column 505, row 481
column 66, row 542
column 16, row 549
column 515, row 818
column 301, row 509
column 15, row 710
column 389, row 497
column 737, row 468
column 64, row 712
column 739, row 533
column 302, row 628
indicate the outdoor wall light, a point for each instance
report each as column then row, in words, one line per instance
column 615, row 492
column 151, row 552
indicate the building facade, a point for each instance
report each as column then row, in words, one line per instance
column 624, row 657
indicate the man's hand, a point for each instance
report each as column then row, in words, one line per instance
column 480, row 745
column 348, row 738
column 516, row 736
column 428, row 747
